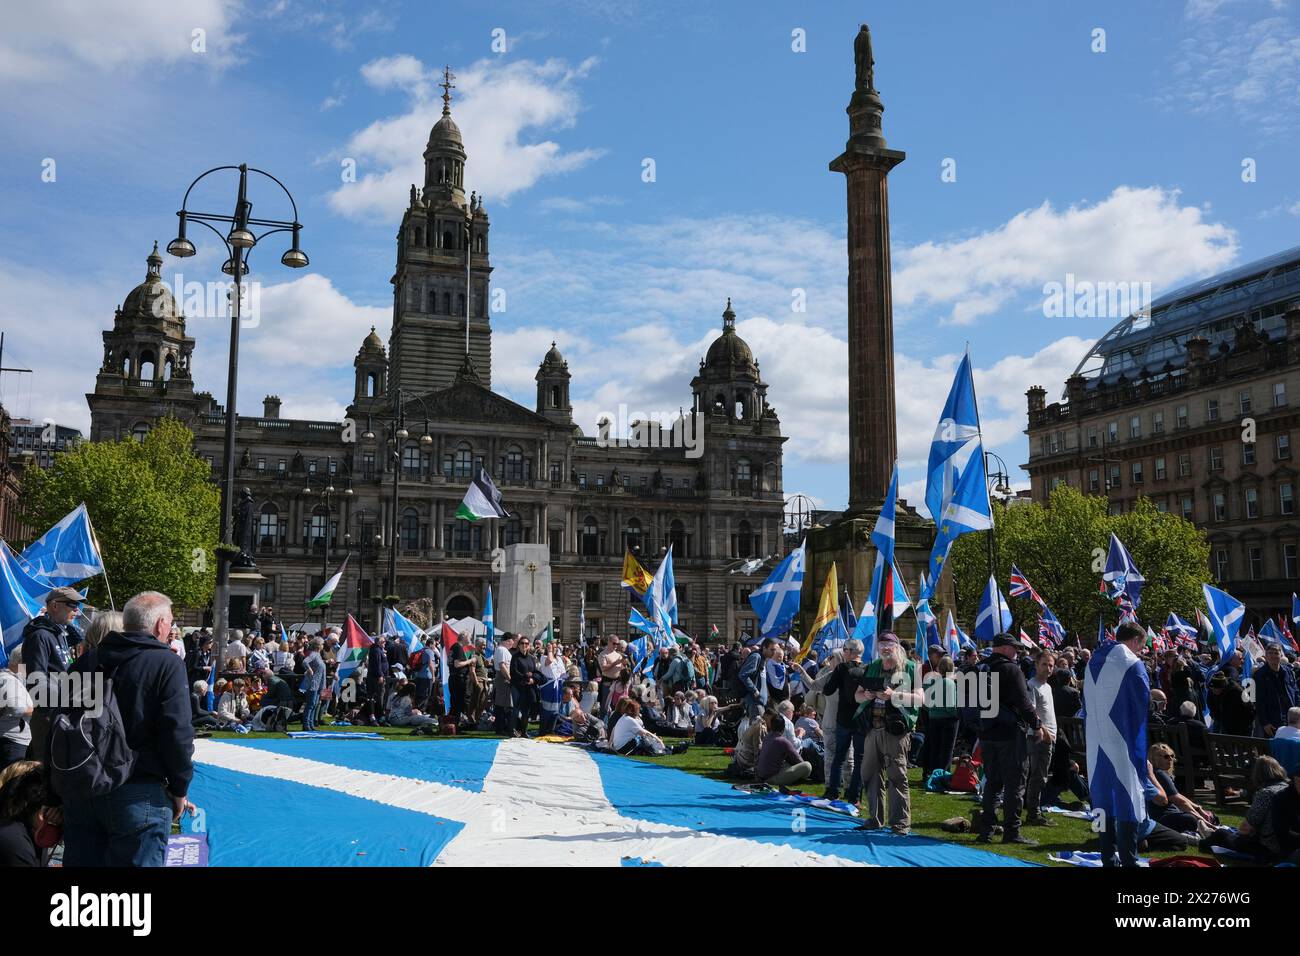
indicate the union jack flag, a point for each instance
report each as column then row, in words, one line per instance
column 1286, row 632
column 1050, row 630
column 1045, row 635
column 1020, row 587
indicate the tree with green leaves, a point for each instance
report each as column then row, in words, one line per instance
column 152, row 504
column 1061, row 548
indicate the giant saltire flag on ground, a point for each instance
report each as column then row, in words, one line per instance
column 828, row 614
column 994, row 617
column 776, row 600
column 351, row 651
column 326, row 592
column 398, row 624
column 882, row 538
column 1225, row 616
column 956, row 492
column 68, row 552
column 18, row 604
column 1117, row 697
column 482, row 500
column 635, row 578
column 1122, row 574
column 489, row 624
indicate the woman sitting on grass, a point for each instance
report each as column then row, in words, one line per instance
column 630, row 738
column 402, row 711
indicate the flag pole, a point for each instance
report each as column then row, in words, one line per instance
column 94, row 537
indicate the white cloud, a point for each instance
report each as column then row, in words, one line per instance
column 50, row 39
column 1133, row 235
column 497, row 107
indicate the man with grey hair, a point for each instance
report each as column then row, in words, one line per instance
column 842, row 685
column 313, row 682
column 129, row 825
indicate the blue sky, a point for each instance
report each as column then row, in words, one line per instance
column 1122, row 165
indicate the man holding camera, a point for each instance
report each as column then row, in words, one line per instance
column 890, row 697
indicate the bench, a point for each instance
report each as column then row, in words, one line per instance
column 1193, row 767
column 1231, row 759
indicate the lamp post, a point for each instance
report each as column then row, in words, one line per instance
column 1002, row 488
column 365, row 537
column 394, row 423
column 239, row 243
column 325, row 493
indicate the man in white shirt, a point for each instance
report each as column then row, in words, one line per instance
column 236, row 646
column 503, row 707
column 1292, row 729
column 1040, row 751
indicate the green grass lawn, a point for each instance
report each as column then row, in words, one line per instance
column 929, row 810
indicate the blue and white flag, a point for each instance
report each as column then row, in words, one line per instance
column 956, row 497
column 994, row 616
column 397, row 623
column 952, row 638
column 1225, row 614
column 776, row 600
column 67, row 553
column 18, row 604
column 1269, row 634
column 661, row 600
column 1122, row 574
column 489, row 625
column 902, row 600
column 1118, row 696
column 1176, row 626
column 1295, row 609
column 882, row 537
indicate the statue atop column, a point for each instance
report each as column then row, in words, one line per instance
column 244, row 530
column 866, row 63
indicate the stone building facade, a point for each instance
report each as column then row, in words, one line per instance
column 1159, row 409
column 586, row 498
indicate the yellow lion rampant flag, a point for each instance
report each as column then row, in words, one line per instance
column 828, row 609
column 635, row 577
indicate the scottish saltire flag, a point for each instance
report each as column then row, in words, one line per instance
column 1122, row 574
column 866, row 627
column 68, row 552
column 210, row 701
column 1225, row 616
column 641, row 622
column 994, row 617
column 1177, row 628
column 448, row 638
column 482, row 499
column 968, row 511
column 1118, row 697
column 1269, row 634
column 902, row 600
column 1102, row 634
column 846, row 611
column 882, row 538
column 1020, row 587
column 489, row 623
column 1295, row 609
column 776, row 600
column 926, row 622
column 1285, row 631
column 352, row 650
column 17, row 604
column 951, row 637
column 395, row 622
column 582, row 618
column 661, row 599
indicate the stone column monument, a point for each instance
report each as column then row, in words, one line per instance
column 525, row 591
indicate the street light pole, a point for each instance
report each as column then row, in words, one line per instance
column 239, row 242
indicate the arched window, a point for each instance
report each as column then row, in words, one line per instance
column 169, row 366
column 448, row 241
column 555, row 396
column 720, row 402
column 372, row 382
column 464, row 461
column 126, row 367
column 410, row 530
column 514, row 530
column 446, row 300
column 590, row 536
column 632, row 535
column 268, row 526
column 744, row 540
column 411, row 461
column 140, row 430
column 419, row 236
column 460, row 303
column 147, row 366
column 514, row 470
column 677, row 537
column 318, row 527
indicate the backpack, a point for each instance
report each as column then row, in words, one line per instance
column 417, row 660
column 88, row 752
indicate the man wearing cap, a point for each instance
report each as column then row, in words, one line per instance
column 46, row 651
column 1004, row 741
column 889, row 697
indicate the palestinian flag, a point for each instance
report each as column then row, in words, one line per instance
column 327, row 591
column 350, row 654
column 482, row 500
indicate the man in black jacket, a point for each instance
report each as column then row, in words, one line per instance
column 844, row 681
column 47, row 641
column 523, row 684
column 129, row 826
column 1004, row 744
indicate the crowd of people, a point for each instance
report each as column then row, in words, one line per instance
column 854, row 724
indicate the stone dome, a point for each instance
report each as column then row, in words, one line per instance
column 372, row 343
column 445, row 131
column 553, row 357
column 151, row 301
column 729, row 352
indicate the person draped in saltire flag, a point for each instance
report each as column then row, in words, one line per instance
column 1117, row 700
column 482, row 500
